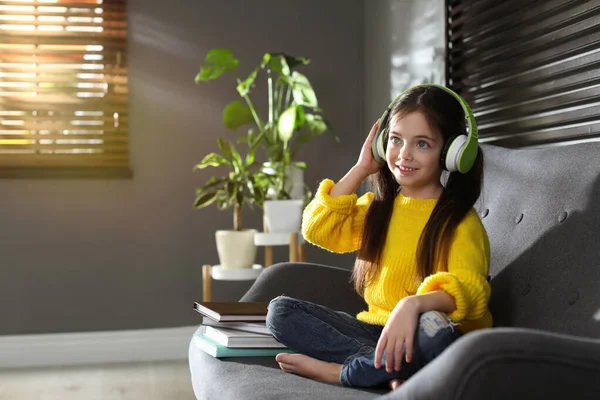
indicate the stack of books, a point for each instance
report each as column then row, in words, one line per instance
column 235, row 329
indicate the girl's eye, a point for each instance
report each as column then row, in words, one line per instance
column 394, row 139
column 422, row 144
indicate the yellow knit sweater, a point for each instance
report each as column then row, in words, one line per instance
column 336, row 224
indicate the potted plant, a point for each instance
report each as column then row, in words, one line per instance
column 293, row 118
column 243, row 183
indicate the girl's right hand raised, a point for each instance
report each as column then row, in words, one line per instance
column 366, row 161
column 365, row 166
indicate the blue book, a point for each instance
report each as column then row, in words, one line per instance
column 216, row 350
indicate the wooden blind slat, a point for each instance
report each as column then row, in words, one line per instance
column 81, row 106
column 110, row 43
column 67, row 37
column 44, row 118
column 528, row 69
column 93, row 147
column 49, row 69
column 107, row 25
column 24, row 5
column 64, row 160
column 107, row 16
column 53, row 126
column 70, row 78
column 107, row 136
column 62, row 60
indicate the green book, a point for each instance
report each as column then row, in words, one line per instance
column 216, row 350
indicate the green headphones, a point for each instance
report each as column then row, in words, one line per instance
column 460, row 151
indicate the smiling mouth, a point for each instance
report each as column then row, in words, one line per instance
column 406, row 169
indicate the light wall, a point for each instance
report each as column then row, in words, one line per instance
column 404, row 46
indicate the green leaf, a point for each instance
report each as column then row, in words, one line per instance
column 214, row 181
column 280, row 65
column 205, row 199
column 224, row 146
column 300, row 117
column 274, row 151
column 300, row 165
column 237, row 159
column 295, row 61
column 291, row 119
column 243, row 87
column 287, row 123
column 237, row 114
column 231, row 188
column 316, row 124
column 217, row 62
column 212, row 160
column 304, row 137
column 251, row 190
column 265, row 60
column 302, row 90
column 222, row 203
column 250, row 157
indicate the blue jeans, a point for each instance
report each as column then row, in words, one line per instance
column 335, row 336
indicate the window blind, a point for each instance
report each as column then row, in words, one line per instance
column 530, row 70
column 63, row 88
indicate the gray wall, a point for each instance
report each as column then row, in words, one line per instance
column 86, row 255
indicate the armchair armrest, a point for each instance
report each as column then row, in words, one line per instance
column 321, row 284
column 509, row 363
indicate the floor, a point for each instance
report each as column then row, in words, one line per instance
column 140, row 381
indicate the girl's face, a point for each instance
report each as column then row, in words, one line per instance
column 413, row 155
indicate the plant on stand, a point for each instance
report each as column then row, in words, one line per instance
column 292, row 119
column 244, row 183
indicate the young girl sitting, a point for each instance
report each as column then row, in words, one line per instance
column 423, row 253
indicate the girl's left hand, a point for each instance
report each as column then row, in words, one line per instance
column 399, row 330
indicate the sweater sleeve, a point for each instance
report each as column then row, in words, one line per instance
column 335, row 223
column 468, row 267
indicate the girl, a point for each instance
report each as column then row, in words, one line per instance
column 423, row 255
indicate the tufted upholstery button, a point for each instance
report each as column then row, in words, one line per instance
column 573, row 298
column 519, row 218
column 562, row 217
column 485, row 213
column 526, row 289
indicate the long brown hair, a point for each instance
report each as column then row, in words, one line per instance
column 445, row 115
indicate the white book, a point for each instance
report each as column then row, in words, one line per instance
column 255, row 327
column 235, row 338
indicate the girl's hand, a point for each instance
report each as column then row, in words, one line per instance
column 366, row 162
column 398, row 331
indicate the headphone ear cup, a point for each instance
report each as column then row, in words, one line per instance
column 453, row 152
column 445, row 151
column 379, row 143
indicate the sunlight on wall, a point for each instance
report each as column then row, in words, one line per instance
column 418, row 43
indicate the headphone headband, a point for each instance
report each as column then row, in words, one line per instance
column 460, row 151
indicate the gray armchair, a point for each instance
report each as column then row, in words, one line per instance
column 541, row 209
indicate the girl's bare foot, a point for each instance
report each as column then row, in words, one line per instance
column 309, row 367
column 395, row 383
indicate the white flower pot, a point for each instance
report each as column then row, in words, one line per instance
column 236, row 248
column 296, row 176
column 283, row 215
